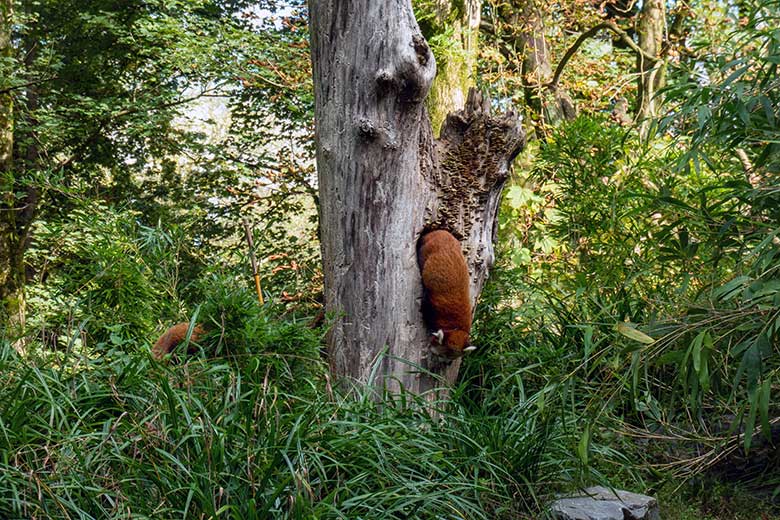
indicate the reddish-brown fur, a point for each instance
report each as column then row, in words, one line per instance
column 173, row 337
column 446, row 301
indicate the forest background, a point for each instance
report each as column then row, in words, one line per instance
column 628, row 334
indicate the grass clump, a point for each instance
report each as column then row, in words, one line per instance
column 122, row 436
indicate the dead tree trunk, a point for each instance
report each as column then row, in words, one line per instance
column 383, row 179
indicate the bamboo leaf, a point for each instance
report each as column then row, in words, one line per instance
column 763, row 408
column 627, row 329
column 729, row 290
column 750, row 422
column 696, row 346
column 584, row 446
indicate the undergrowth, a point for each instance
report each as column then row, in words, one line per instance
column 264, row 435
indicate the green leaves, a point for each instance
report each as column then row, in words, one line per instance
column 628, row 330
column 123, row 435
column 701, row 348
column 94, row 271
column 758, row 408
column 583, row 447
column 520, row 196
column 739, row 106
column 731, row 289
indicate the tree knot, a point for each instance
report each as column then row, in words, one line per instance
column 421, row 49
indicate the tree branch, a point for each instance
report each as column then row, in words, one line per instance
column 589, row 34
column 10, row 89
column 623, row 13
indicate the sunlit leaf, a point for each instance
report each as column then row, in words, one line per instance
column 628, row 330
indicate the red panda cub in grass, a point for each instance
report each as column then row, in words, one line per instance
column 175, row 335
column 446, row 302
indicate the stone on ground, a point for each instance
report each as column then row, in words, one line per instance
column 600, row 503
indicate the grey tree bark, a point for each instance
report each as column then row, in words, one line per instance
column 384, row 179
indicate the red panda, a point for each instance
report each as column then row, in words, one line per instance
column 446, row 302
column 173, row 336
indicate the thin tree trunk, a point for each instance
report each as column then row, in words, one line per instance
column 542, row 95
column 383, row 179
column 652, row 21
column 11, row 266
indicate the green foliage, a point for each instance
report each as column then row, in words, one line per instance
column 710, row 499
column 126, row 437
column 108, row 78
column 725, row 343
column 115, row 104
column 645, row 276
column 435, row 18
column 636, row 300
column 95, row 282
column 267, row 158
column 599, row 202
column 734, row 102
column 112, row 103
column 240, row 329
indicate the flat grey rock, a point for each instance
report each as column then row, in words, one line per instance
column 600, row 503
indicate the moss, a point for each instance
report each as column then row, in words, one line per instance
column 455, row 66
column 450, row 43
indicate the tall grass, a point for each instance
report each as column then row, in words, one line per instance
column 122, row 436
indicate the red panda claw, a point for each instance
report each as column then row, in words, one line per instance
column 470, row 348
column 439, row 335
